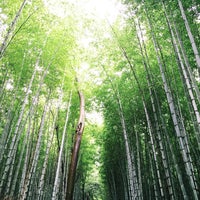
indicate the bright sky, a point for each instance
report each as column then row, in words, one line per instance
column 99, row 9
column 95, row 118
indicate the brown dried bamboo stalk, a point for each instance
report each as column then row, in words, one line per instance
column 76, row 148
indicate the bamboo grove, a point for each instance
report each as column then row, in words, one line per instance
column 140, row 72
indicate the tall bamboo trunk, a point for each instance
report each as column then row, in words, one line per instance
column 139, row 166
column 190, row 35
column 17, row 134
column 150, row 86
column 40, row 190
column 36, row 156
column 186, row 78
column 57, row 177
column 10, row 29
column 133, row 183
column 175, row 117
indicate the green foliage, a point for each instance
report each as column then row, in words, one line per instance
column 112, row 63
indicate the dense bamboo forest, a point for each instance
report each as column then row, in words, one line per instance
column 99, row 100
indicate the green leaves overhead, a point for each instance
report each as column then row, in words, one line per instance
column 138, row 69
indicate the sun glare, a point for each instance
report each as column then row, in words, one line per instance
column 99, row 9
column 95, row 117
column 104, row 9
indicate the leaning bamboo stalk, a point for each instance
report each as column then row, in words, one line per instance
column 76, row 149
column 187, row 80
column 147, row 117
column 174, row 113
column 36, row 154
column 26, row 141
column 10, row 29
column 5, row 76
column 132, row 175
column 7, row 132
column 149, row 82
column 188, row 67
column 40, row 190
column 17, row 134
column 131, row 169
column 139, row 165
column 190, row 35
column 173, row 157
